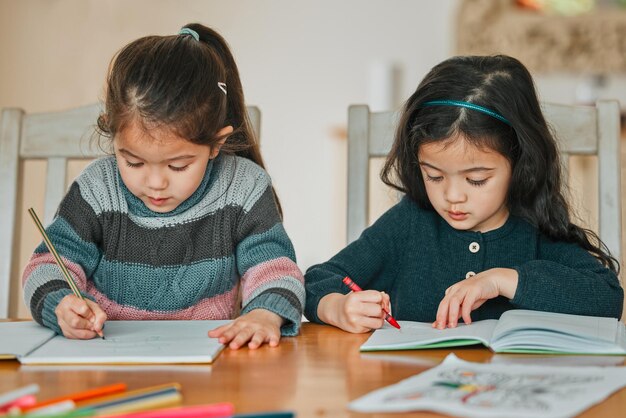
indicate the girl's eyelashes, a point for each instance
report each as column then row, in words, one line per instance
column 173, row 168
column 477, row 182
column 434, row 179
column 133, row 165
column 437, row 179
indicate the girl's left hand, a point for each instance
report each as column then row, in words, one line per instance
column 463, row 297
column 255, row 328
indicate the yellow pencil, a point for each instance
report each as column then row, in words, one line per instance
column 60, row 264
column 135, row 400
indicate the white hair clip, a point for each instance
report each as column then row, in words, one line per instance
column 222, row 86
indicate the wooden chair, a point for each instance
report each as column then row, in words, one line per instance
column 582, row 130
column 56, row 137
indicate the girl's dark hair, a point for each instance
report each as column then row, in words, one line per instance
column 503, row 85
column 172, row 81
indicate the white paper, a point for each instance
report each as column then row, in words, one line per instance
column 466, row 389
column 135, row 342
column 418, row 334
column 562, row 332
column 20, row 337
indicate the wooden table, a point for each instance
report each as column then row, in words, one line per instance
column 315, row 375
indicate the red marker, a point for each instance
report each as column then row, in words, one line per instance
column 355, row 288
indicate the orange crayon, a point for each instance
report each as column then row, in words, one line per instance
column 81, row 396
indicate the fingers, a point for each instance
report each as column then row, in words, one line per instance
column 441, row 320
column 371, row 296
column 254, row 329
column 468, row 307
column 237, row 336
column 459, row 301
column 217, row 332
column 98, row 316
column 386, row 302
column 363, row 311
column 77, row 319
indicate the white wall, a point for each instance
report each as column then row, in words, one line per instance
column 301, row 62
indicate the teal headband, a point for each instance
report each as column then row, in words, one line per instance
column 187, row 31
column 467, row 105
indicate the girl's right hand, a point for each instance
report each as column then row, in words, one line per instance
column 80, row 319
column 356, row 312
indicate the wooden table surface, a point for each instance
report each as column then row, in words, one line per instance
column 315, row 375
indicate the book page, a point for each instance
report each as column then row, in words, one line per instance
column 560, row 332
column 466, row 389
column 21, row 337
column 135, row 342
column 414, row 335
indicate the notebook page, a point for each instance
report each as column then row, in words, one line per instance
column 21, row 337
column 589, row 327
column 135, row 342
column 416, row 334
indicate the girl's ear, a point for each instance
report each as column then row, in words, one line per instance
column 222, row 133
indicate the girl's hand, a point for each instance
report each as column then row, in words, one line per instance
column 255, row 328
column 465, row 296
column 78, row 318
column 356, row 312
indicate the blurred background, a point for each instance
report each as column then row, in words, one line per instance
column 303, row 63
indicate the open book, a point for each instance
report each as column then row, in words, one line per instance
column 125, row 342
column 517, row 331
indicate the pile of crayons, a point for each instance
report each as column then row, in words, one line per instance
column 114, row 401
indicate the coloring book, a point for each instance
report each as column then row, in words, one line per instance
column 517, row 331
column 466, row 389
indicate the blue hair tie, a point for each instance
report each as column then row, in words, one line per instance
column 187, row 31
column 467, row 105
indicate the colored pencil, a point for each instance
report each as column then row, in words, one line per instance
column 80, row 396
column 15, row 394
column 55, row 408
column 60, row 263
column 218, row 410
column 71, row 414
column 137, row 400
column 18, row 404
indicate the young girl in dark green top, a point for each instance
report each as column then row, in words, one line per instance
column 484, row 226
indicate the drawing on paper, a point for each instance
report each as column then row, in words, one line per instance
column 534, row 391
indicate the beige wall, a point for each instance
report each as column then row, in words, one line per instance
column 301, row 62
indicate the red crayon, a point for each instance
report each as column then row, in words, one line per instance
column 355, row 288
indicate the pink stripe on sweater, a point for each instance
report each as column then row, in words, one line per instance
column 217, row 307
column 37, row 260
column 268, row 271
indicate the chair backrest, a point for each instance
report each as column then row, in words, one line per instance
column 56, row 137
column 581, row 130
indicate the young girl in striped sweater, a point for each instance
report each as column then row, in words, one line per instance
column 182, row 219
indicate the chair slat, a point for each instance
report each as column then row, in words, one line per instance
column 55, row 187
column 10, row 126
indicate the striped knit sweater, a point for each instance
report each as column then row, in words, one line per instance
column 225, row 240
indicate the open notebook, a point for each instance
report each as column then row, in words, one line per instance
column 517, row 331
column 171, row 342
